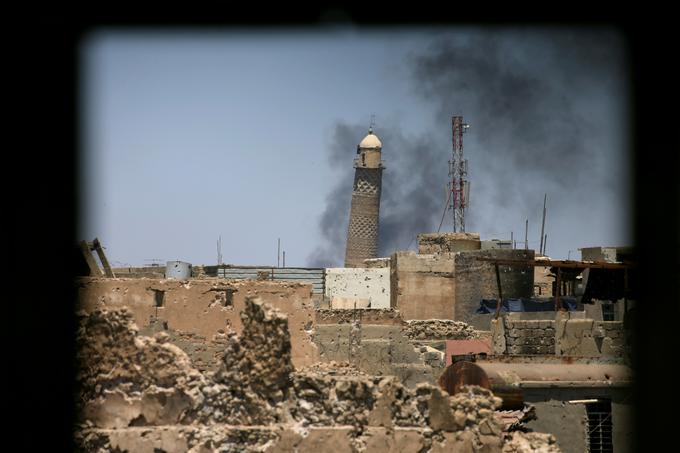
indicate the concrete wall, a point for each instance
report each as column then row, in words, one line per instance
column 447, row 242
column 451, row 285
column 197, row 312
column 476, row 280
column 622, row 422
column 423, row 286
column 377, row 342
column 368, row 287
column 589, row 338
column 482, row 321
column 595, row 310
column 568, row 335
column 598, row 254
column 567, row 421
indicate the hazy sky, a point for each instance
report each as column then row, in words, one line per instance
column 189, row 135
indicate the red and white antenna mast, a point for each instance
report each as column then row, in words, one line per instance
column 458, row 184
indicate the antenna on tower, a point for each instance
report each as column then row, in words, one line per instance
column 458, row 186
column 370, row 128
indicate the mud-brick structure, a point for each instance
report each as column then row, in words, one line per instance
column 362, row 233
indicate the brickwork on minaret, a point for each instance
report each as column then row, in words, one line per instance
column 362, row 234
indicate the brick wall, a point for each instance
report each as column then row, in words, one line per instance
column 476, row 279
column 530, row 337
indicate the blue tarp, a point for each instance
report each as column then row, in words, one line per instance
column 515, row 304
column 489, row 306
column 518, row 305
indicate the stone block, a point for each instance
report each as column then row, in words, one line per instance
column 515, row 350
column 408, row 440
column 575, row 337
column 168, row 438
column 374, row 356
column 381, row 414
column 441, row 414
column 319, row 439
column 498, row 342
column 288, row 441
column 380, row 332
column 459, row 442
column 490, row 444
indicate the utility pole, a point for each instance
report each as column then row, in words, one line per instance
column 526, row 234
column 541, row 248
column 278, row 254
column 545, row 244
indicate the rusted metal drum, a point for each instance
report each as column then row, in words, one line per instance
column 462, row 373
column 468, row 373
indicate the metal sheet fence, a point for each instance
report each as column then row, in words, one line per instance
column 315, row 276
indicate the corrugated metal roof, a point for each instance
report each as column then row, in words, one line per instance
column 313, row 276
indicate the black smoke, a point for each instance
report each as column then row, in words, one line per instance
column 547, row 110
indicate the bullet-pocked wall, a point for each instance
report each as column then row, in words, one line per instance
column 196, row 313
column 357, row 287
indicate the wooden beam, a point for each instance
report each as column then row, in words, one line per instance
column 95, row 271
column 102, row 257
column 500, row 292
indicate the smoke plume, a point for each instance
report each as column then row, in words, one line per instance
column 547, row 110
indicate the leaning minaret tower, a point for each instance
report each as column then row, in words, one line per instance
column 362, row 234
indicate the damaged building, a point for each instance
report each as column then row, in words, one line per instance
column 364, row 348
column 465, row 345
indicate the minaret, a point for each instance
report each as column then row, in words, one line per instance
column 362, row 234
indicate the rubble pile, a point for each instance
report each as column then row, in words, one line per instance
column 129, row 380
column 143, row 394
column 256, row 368
column 438, row 329
column 324, row 399
column 347, row 316
column 179, row 438
column 520, row 442
column 333, row 368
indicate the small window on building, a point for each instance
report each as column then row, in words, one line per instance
column 607, row 311
column 599, row 427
